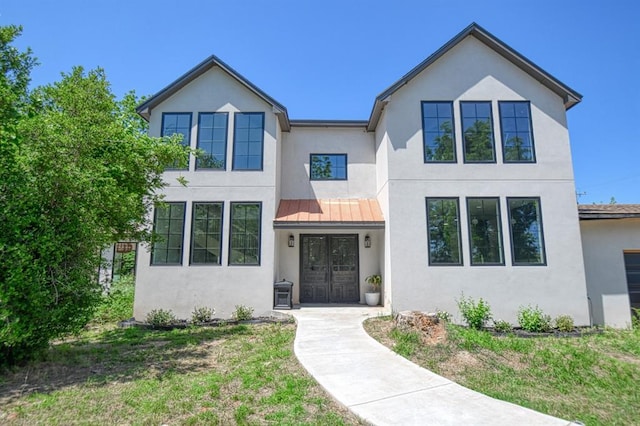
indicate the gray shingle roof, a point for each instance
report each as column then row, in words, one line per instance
column 608, row 211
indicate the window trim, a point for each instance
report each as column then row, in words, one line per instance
column 542, row 239
column 226, row 141
column 499, row 227
column 193, row 215
column 184, row 220
column 346, row 166
column 188, row 145
column 229, row 257
column 493, row 131
column 460, row 247
column 502, row 141
column 424, row 133
column 235, row 133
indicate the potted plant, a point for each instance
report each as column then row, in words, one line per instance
column 372, row 297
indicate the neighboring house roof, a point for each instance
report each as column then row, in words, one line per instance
column 329, row 213
column 212, row 61
column 570, row 97
column 608, row 211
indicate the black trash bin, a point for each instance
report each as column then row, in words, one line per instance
column 283, row 295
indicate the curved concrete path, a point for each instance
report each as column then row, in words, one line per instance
column 384, row 388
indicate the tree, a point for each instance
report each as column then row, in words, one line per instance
column 442, row 149
column 478, row 143
column 77, row 172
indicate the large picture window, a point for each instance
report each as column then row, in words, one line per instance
column 177, row 123
column 438, row 133
column 244, row 238
column 168, row 224
column 328, row 166
column 517, row 135
column 477, row 132
column 248, row 140
column 527, row 238
column 212, row 140
column 206, row 234
column 443, row 226
column 485, row 236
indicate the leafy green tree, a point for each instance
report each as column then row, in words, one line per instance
column 478, row 142
column 77, row 172
column 515, row 150
column 321, row 167
column 443, row 148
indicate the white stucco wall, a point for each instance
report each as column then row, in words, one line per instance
column 603, row 244
column 301, row 142
column 181, row 288
column 472, row 71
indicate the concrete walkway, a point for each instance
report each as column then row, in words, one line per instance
column 384, row 388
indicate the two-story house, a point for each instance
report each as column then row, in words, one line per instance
column 460, row 181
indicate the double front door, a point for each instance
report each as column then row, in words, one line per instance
column 329, row 269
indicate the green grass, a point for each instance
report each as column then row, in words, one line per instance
column 234, row 374
column 593, row 378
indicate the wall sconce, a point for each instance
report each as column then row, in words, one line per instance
column 292, row 241
column 367, row 241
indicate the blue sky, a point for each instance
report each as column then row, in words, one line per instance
column 329, row 59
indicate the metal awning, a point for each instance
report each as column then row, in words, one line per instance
column 329, row 213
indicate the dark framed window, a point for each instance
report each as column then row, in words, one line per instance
column 477, row 132
column 485, row 235
column 517, row 133
column 527, row 237
column 206, row 234
column 328, row 166
column 244, row 236
column 438, row 132
column 177, row 123
column 443, row 226
column 212, row 139
column 248, row 140
column 168, row 224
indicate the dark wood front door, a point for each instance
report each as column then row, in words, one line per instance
column 329, row 269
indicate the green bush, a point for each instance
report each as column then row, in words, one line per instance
column 443, row 315
column 161, row 317
column 117, row 305
column 474, row 314
column 502, row 326
column 242, row 313
column 635, row 318
column 202, row 314
column 564, row 323
column 534, row 320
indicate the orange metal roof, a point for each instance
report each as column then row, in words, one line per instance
column 329, row 212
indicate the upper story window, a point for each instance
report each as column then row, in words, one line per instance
column 437, row 132
column 527, row 241
column 177, row 123
column 212, row 139
column 477, row 132
column 485, row 235
column 328, row 166
column 443, row 230
column 168, row 224
column 517, row 134
column 248, row 140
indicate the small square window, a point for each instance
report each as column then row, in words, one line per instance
column 328, row 167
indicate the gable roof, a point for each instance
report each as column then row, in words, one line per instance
column 608, row 211
column 212, row 61
column 569, row 96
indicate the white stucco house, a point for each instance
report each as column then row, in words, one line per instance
column 460, row 181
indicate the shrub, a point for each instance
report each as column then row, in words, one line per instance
column 202, row 314
column 242, row 313
column 635, row 318
column 534, row 320
column 443, row 315
column 502, row 326
column 160, row 317
column 117, row 305
column 564, row 323
column 474, row 314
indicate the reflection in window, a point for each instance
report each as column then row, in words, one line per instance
column 206, row 233
column 177, row 123
column 484, row 231
column 527, row 241
column 212, row 139
column 477, row 132
column 443, row 231
column 328, row 166
column 244, row 238
column 248, row 140
column 437, row 132
column 517, row 136
column 168, row 224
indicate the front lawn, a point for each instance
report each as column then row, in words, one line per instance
column 593, row 378
column 233, row 374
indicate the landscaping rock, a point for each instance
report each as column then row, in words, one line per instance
column 428, row 325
